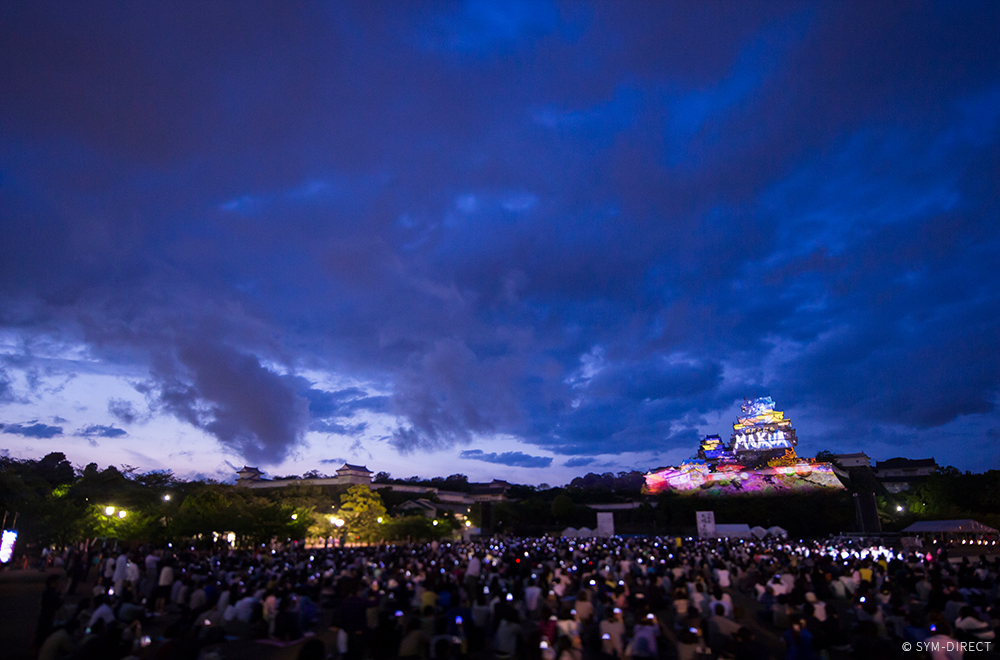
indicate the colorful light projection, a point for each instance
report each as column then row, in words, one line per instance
column 760, row 459
column 695, row 478
column 713, row 451
column 7, row 542
column 762, row 428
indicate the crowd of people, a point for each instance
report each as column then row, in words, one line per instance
column 530, row 599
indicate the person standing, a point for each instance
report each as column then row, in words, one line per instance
column 472, row 573
column 164, row 585
column 120, row 572
column 132, row 577
column 72, row 571
column 152, row 562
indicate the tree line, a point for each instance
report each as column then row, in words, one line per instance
column 56, row 504
column 59, row 504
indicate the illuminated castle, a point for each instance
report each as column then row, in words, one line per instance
column 713, row 451
column 762, row 433
column 759, row 459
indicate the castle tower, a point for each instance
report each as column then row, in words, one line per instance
column 762, row 433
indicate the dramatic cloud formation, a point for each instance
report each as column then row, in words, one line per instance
column 248, row 407
column 392, row 231
column 511, row 458
column 124, row 411
column 98, row 431
column 579, row 461
column 32, row 429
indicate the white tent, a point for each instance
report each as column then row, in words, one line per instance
column 569, row 533
column 777, row 532
column 758, row 531
column 584, row 533
column 741, row 531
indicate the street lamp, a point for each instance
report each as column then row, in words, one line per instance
column 166, row 498
column 121, row 514
column 337, row 522
column 379, row 520
column 109, row 510
column 295, row 516
column 899, row 507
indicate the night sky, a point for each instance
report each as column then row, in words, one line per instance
column 518, row 240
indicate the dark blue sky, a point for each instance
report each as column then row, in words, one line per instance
column 505, row 239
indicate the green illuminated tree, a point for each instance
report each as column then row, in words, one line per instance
column 361, row 508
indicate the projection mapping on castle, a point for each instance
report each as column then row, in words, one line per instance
column 759, row 459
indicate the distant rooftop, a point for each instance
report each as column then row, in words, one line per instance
column 357, row 468
column 906, row 463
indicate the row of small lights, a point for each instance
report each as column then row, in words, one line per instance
column 337, row 522
column 110, row 510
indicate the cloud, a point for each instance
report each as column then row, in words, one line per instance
column 675, row 207
column 450, row 393
column 326, row 426
column 250, row 409
column 98, row 431
column 579, row 461
column 342, row 403
column 333, row 461
column 32, row 429
column 123, row 410
column 510, row 458
column 490, row 27
column 6, row 388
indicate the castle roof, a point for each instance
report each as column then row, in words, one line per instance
column 355, row 468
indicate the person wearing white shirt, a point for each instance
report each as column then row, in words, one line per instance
column 819, row 607
column 724, row 600
column 971, row 624
column 532, row 597
column 103, row 611
column 120, row 572
column 613, row 634
column 164, row 586
column 778, row 586
column 132, row 576
column 244, row 608
column 942, row 645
